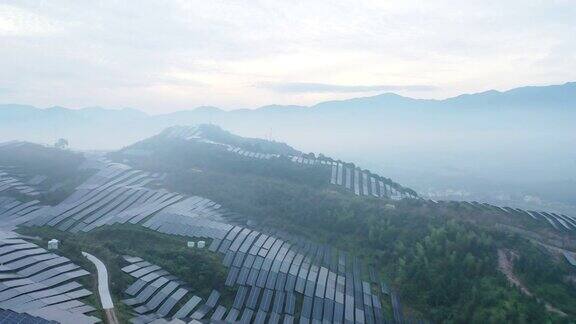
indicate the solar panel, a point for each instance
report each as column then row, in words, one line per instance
column 311, row 281
column 144, row 271
column 280, row 282
column 252, row 300
column 141, row 282
column 53, row 272
column 213, row 298
column 349, row 308
column 147, row 291
column 278, row 304
column 232, row 315
column 238, row 259
column 135, row 266
column 321, row 282
column 288, row 319
column 266, row 300
column 364, row 183
column 359, row 313
column 333, row 177
column 9, row 316
column 188, row 307
column 232, row 275
column 240, row 296
column 218, row 313
column 356, row 182
column 15, row 247
column 22, row 254
column 260, row 317
column 252, row 276
column 243, row 276
column 158, row 298
column 83, row 309
column 247, row 316
column 171, row 301
column 307, row 304
column 274, row 318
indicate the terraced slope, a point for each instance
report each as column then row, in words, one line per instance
column 40, row 283
column 327, row 284
column 276, row 276
column 340, row 174
column 167, row 291
column 560, row 223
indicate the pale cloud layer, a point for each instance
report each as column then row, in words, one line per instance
column 162, row 56
column 304, row 87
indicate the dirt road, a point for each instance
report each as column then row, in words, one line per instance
column 506, row 266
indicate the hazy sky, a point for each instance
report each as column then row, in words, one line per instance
column 161, row 56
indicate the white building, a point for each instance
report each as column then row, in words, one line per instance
column 389, row 206
column 201, row 244
column 53, row 244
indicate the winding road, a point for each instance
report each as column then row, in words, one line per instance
column 506, row 266
column 103, row 290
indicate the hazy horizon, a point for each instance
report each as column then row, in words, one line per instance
column 282, row 104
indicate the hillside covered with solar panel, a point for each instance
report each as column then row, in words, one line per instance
column 197, row 224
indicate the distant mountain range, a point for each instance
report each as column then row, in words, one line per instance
column 553, row 96
column 109, row 128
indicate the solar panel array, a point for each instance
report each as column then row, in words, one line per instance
column 182, row 132
column 271, row 270
column 40, row 283
column 8, row 316
column 10, row 182
column 268, row 274
column 359, row 181
column 118, row 194
column 251, row 154
column 365, row 183
column 558, row 221
column 192, row 217
column 569, row 256
column 156, row 293
column 274, row 270
column 14, row 212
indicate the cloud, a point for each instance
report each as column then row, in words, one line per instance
column 307, row 87
column 177, row 54
column 17, row 22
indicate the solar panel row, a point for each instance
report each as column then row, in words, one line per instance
column 40, row 282
column 558, row 221
column 9, row 182
column 285, row 261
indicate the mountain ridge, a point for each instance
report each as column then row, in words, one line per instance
column 541, row 94
column 534, row 107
